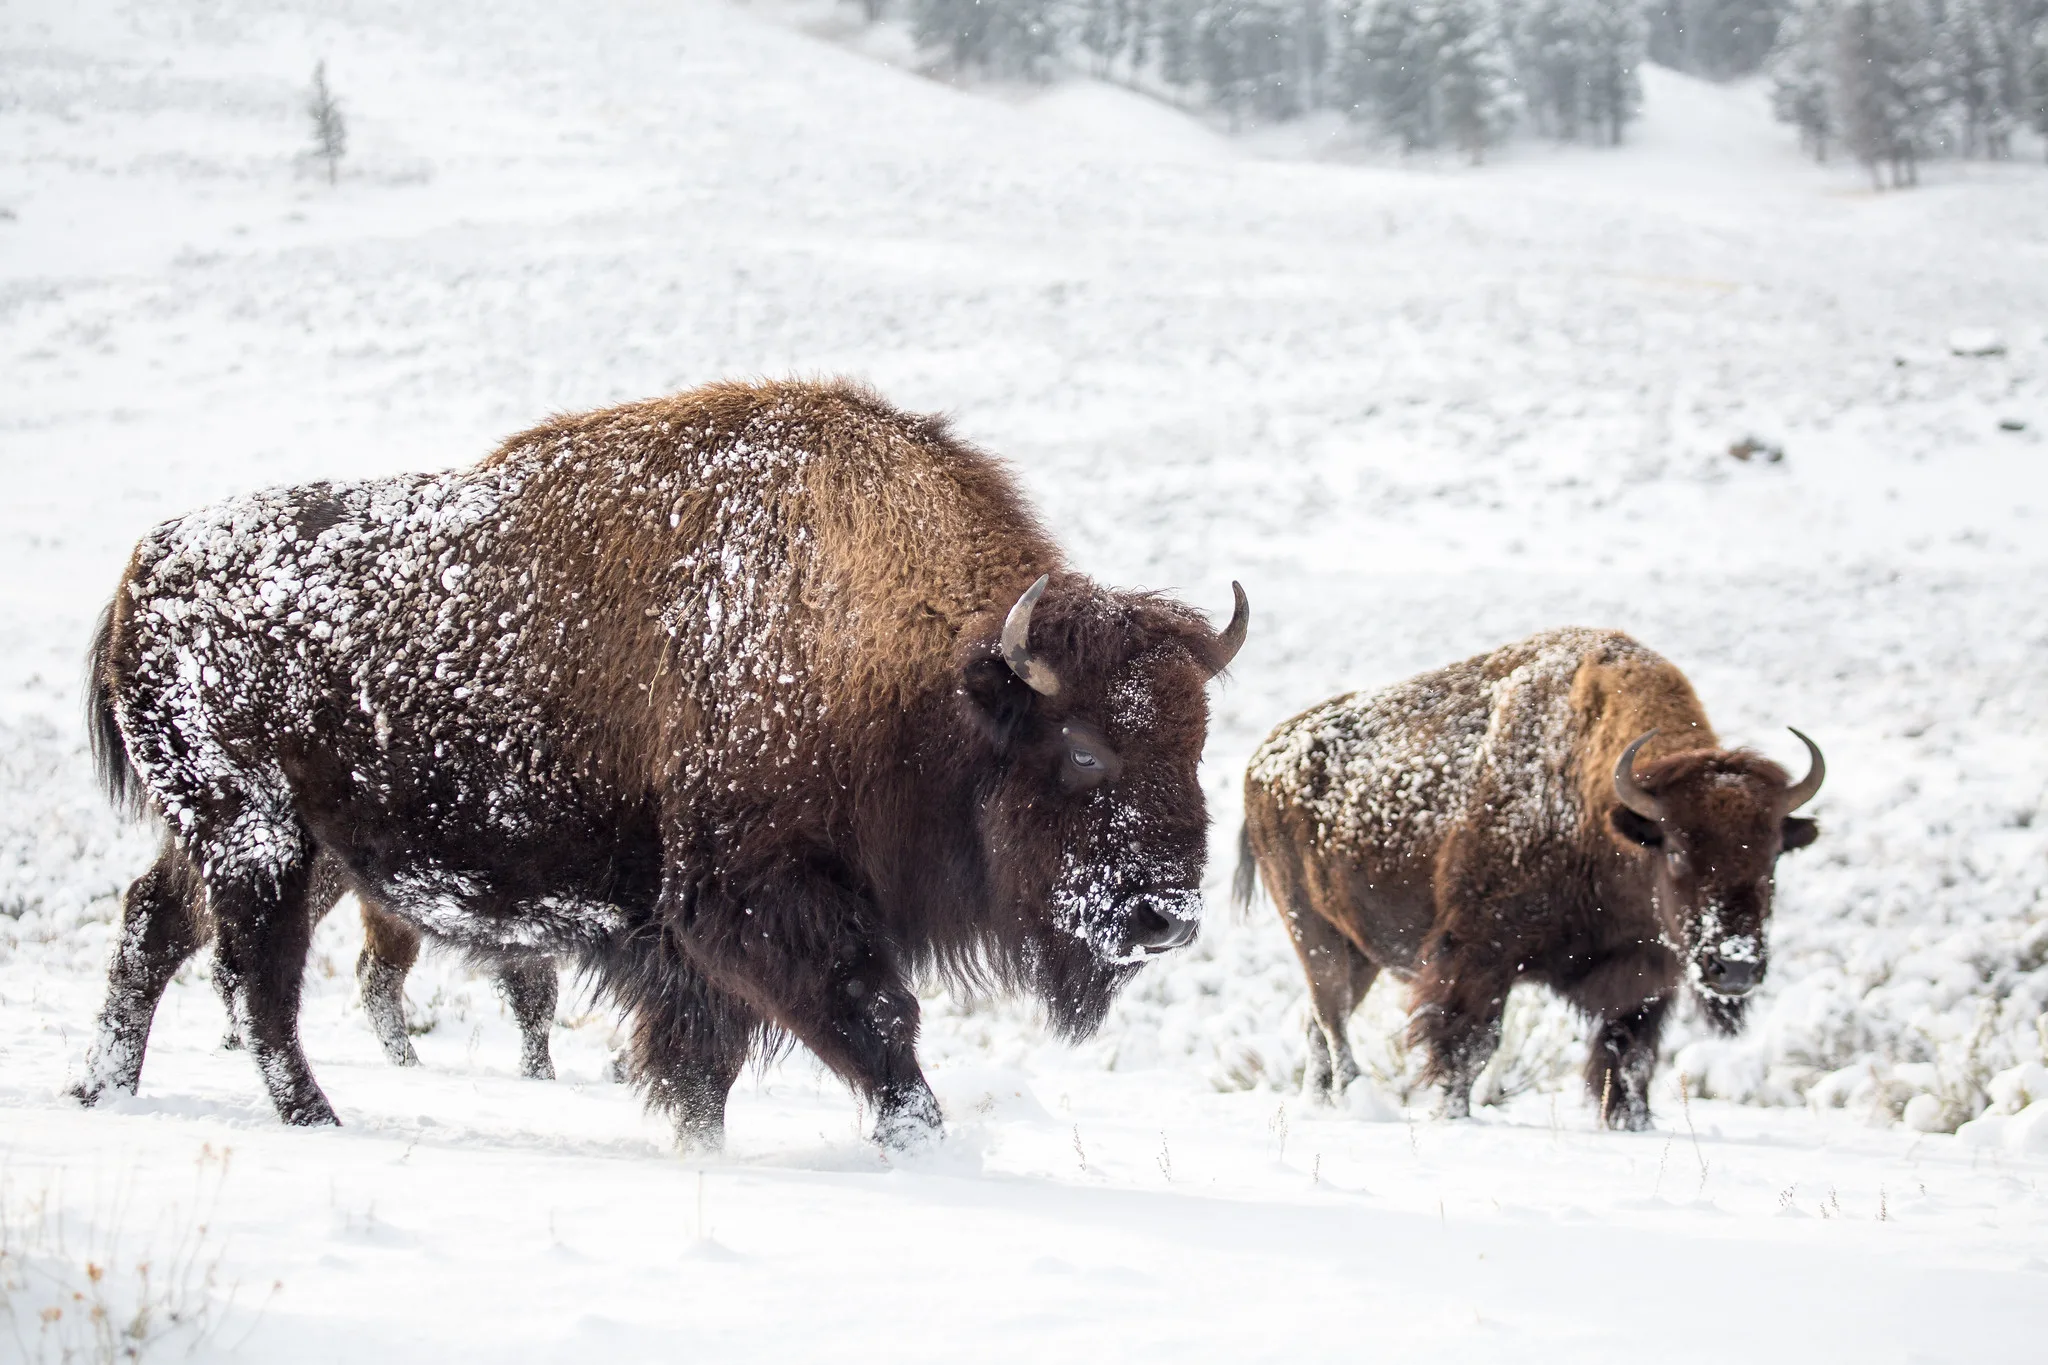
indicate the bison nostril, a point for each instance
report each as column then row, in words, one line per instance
column 1158, row 933
column 1729, row 977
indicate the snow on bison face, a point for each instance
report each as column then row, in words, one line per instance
column 1714, row 821
column 1094, row 828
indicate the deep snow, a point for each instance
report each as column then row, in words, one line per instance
column 1418, row 410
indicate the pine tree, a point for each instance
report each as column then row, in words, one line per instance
column 1313, row 48
column 1473, row 91
column 1096, row 30
column 1140, row 47
column 1800, row 71
column 2032, row 82
column 1246, row 56
column 1885, row 86
column 1387, row 72
column 1973, row 65
column 1718, row 38
column 330, row 129
column 1002, row 38
column 1550, row 57
column 1613, row 42
column 1179, row 24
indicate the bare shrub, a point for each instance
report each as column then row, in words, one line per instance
column 96, row 1284
column 330, row 129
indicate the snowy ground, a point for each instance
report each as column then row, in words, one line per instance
column 1417, row 410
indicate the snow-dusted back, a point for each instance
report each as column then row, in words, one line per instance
column 1391, row 769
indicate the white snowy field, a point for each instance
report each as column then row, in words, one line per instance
column 1418, row 410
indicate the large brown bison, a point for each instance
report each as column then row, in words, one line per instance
column 751, row 703
column 1557, row 811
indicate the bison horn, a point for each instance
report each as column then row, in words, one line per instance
column 1816, row 773
column 1231, row 639
column 1017, row 642
column 1626, row 788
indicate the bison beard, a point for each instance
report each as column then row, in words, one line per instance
column 754, row 703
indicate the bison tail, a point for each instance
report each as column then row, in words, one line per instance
column 118, row 778
column 1245, row 884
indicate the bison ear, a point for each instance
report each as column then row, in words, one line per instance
column 997, row 699
column 1799, row 832
column 1637, row 829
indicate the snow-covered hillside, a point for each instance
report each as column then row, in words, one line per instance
column 1417, row 410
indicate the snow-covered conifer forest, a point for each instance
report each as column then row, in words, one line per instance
column 1889, row 83
column 1224, row 287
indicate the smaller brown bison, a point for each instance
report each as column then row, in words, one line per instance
column 1557, row 811
column 390, row 948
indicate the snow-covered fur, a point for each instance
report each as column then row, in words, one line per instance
column 1463, row 829
column 703, row 694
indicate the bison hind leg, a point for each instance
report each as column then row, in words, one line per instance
column 530, row 987
column 258, row 875
column 1457, row 1020
column 390, row 948
column 690, row 1042
column 162, row 925
column 1338, row 978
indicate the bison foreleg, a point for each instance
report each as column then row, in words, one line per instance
column 160, row 927
column 1622, row 1060
column 806, row 959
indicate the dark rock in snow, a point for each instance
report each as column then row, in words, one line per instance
column 1975, row 342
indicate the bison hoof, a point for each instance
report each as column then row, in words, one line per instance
column 910, row 1122
column 700, row 1139
column 1326, row 1093
column 311, row 1112
column 97, row 1086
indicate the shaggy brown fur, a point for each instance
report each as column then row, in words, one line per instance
column 703, row 694
column 1463, row 830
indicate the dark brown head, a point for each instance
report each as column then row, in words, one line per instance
column 1093, row 708
column 1711, row 823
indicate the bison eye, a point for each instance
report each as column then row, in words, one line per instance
column 1089, row 763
